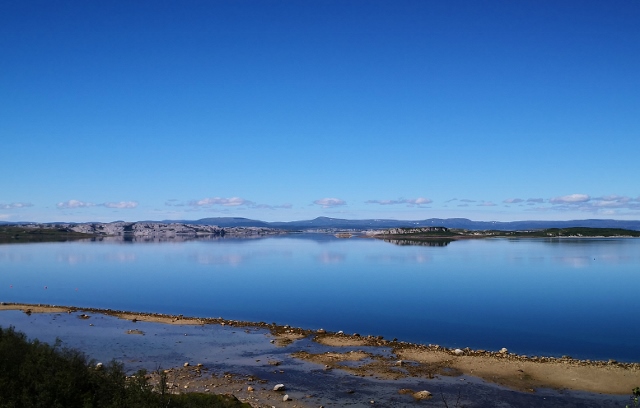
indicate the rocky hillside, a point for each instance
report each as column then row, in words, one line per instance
column 158, row 229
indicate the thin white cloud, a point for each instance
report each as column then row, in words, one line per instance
column 605, row 205
column 486, row 204
column 513, row 200
column 570, row 199
column 74, row 204
column 419, row 201
column 227, row 202
column 236, row 202
column 122, row 204
column 412, row 201
column 12, row 206
column 466, row 200
column 273, row 207
column 535, row 200
column 330, row 202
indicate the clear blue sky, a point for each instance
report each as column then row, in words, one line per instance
column 286, row 110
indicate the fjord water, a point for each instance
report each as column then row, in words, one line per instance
column 575, row 297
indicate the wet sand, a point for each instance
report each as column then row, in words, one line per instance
column 318, row 368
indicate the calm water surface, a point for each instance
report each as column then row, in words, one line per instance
column 535, row 297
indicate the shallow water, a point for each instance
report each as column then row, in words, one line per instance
column 247, row 352
column 536, row 297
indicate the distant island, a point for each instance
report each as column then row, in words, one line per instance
column 148, row 231
column 444, row 234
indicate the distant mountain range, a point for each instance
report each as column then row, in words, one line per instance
column 461, row 223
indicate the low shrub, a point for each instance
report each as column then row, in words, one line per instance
column 37, row 375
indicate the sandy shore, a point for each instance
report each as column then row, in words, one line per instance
column 375, row 357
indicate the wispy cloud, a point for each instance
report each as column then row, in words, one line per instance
column 606, row 205
column 122, row 204
column 72, row 204
column 486, row 204
column 570, row 199
column 273, row 207
column 230, row 202
column 330, row 202
column 226, row 202
column 513, row 200
column 535, row 200
column 411, row 201
column 12, row 206
column 174, row 203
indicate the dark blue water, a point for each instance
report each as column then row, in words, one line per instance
column 535, row 297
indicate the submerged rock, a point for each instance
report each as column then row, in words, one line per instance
column 421, row 395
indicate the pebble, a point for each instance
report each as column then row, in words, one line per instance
column 286, row 397
column 458, row 352
column 421, row 395
column 279, row 387
column 186, row 364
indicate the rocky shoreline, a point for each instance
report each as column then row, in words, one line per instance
column 374, row 356
column 156, row 230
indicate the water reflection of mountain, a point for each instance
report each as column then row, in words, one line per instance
column 414, row 242
column 170, row 238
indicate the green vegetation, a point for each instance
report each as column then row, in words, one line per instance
column 35, row 374
column 427, row 233
column 571, row 232
column 20, row 234
column 635, row 398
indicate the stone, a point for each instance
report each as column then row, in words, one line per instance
column 286, row 397
column 250, row 388
column 458, row 352
column 99, row 366
column 421, row 395
column 278, row 387
column 186, row 364
column 321, row 331
column 503, row 351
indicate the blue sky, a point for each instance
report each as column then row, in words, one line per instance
column 287, row 110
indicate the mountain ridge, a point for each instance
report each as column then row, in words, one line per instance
column 323, row 223
column 377, row 223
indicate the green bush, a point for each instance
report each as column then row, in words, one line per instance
column 37, row 375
